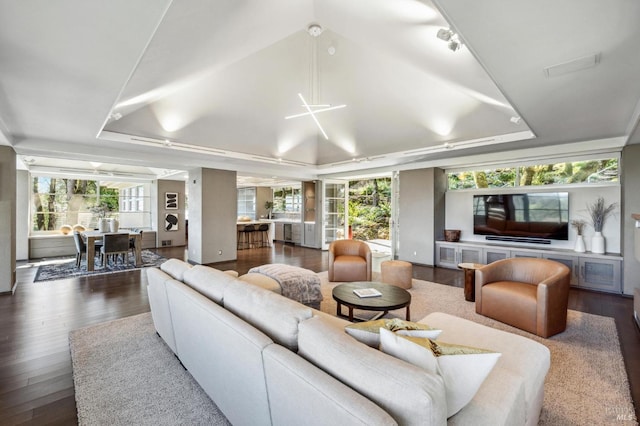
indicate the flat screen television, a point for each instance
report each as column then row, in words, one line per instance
column 536, row 217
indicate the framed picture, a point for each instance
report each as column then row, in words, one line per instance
column 171, row 222
column 171, row 200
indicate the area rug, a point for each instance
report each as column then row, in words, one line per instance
column 124, row 374
column 66, row 267
column 116, row 370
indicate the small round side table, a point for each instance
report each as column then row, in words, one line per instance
column 470, row 279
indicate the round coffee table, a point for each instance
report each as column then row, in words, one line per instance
column 392, row 298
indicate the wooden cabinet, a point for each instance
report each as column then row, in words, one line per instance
column 492, row 254
column 309, row 235
column 589, row 271
column 600, row 274
column 449, row 255
column 572, row 262
column 279, row 231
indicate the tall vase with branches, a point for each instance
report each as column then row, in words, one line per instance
column 599, row 211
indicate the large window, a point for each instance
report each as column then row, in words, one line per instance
column 247, row 202
column 287, row 200
column 565, row 173
column 66, row 201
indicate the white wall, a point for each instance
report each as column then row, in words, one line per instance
column 459, row 208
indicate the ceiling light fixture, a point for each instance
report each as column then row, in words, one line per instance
column 515, row 119
column 313, row 115
column 314, row 108
column 453, row 40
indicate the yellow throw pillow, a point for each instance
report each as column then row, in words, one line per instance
column 463, row 368
column 369, row 332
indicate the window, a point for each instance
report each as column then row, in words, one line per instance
column 565, row 173
column 247, row 202
column 68, row 201
column 287, row 200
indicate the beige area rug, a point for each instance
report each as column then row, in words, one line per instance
column 587, row 383
column 124, row 374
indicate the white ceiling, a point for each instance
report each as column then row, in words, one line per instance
column 216, row 78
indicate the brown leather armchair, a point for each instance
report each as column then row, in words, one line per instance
column 349, row 260
column 527, row 293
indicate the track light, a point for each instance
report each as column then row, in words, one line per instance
column 445, row 34
column 452, row 39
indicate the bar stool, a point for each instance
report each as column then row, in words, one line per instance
column 246, row 236
column 263, row 231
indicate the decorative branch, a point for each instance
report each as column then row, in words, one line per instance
column 599, row 212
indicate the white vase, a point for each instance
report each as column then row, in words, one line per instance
column 113, row 225
column 597, row 243
column 580, row 248
column 103, row 225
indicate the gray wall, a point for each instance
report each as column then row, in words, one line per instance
column 630, row 205
column 420, row 214
column 7, row 219
column 177, row 237
column 22, row 214
column 213, row 205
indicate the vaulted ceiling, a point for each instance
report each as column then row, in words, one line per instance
column 201, row 83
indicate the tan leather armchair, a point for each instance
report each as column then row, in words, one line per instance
column 527, row 293
column 349, row 260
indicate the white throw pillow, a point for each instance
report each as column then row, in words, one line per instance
column 462, row 368
column 369, row 332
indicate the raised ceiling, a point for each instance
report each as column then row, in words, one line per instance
column 200, row 83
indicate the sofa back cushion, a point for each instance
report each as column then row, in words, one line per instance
column 302, row 394
column 208, row 281
column 275, row 315
column 409, row 394
column 176, row 268
column 223, row 353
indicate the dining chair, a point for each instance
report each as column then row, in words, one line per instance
column 81, row 247
column 132, row 240
column 115, row 245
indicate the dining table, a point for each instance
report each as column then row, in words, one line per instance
column 90, row 238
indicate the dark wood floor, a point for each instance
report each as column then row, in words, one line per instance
column 36, row 384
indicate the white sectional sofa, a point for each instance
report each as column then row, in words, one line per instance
column 265, row 359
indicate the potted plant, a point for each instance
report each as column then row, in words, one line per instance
column 579, row 225
column 269, row 206
column 599, row 211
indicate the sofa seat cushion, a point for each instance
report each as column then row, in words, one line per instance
column 522, row 358
column 274, row 315
column 409, row 394
column 521, row 309
column 208, row 281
